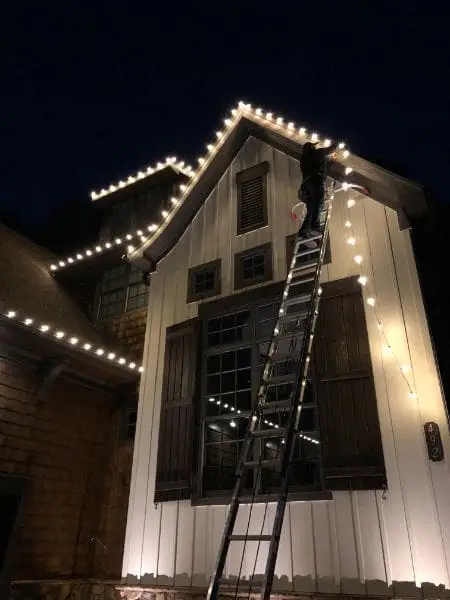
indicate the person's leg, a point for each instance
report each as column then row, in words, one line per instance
column 318, row 196
column 305, row 196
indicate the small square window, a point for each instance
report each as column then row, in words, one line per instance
column 253, row 266
column 204, row 281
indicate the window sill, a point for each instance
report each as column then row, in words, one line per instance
column 313, row 495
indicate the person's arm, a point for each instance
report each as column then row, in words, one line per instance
column 325, row 152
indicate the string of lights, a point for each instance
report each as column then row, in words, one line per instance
column 68, row 340
column 170, row 161
column 147, row 235
column 370, row 295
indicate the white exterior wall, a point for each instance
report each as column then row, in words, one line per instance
column 360, row 542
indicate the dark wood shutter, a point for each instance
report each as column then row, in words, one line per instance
column 352, row 451
column 252, row 198
column 176, row 430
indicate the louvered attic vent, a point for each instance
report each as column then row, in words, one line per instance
column 252, row 198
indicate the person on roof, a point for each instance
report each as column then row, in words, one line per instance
column 313, row 165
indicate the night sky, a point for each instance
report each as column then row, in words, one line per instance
column 90, row 94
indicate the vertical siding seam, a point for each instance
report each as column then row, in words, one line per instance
column 194, row 523
column 428, row 466
column 403, row 495
column 311, row 504
column 357, row 537
column 175, row 550
column 291, row 547
column 384, row 544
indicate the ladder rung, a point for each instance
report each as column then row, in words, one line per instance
column 299, row 333
column 250, row 538
column 280, row 379
column 304, row 266
column 299, row 316
column 303, row 240
column 265, row 433
column 299, row 281
column 300, row 299
column 307, row 251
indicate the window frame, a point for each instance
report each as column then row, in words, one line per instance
column 223, row 306
column 266, row 251
column 216, row 267
column 121, row 288
column 260, row 170
column 126, row 290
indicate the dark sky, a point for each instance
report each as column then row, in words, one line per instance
column 90, row 94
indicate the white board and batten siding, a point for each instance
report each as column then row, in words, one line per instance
column 361, row 542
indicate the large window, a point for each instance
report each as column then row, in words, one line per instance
column 234, row 346
column 122, row 289
column 206, row 402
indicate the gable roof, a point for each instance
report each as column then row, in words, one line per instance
column 400, row 194
column 32, row 299
column 28, row 285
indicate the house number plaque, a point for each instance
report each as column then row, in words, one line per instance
column 434, row 442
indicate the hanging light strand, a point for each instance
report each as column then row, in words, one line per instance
column 369, row 289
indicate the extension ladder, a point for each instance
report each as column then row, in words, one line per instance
column 295, row 323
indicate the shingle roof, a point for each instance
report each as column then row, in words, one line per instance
column 28, row 286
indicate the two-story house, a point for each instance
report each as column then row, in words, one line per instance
column 368, row 511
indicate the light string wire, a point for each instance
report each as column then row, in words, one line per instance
column 62, row 337
column 369, row 294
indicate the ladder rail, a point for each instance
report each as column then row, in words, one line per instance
column 294, row 406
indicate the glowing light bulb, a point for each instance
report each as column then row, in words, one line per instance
column 302, row 131
column 210, row 147
column 269, row 116
column 348, row 170
column 87, row 346
column 121, row 361
column 28, row 321
column 141, row 369
column 346, row 153
column 88, row 252
column 371, row 301
column 358, row 259
column 44, row 328
column 100, row 351
column 232, row 423
column 258, row 112
column 362, row 280
column 130, row 248
column 279, row 121
column 98, row 248
column 314, row 137
column 107, row 245
column 219, row 134
column 61, row 263
column 327, row 143
column 11, row 314
column 70, row 260
column 53, row 267
column 405, row 368
column 351, row 241
column 165, row 214
column 132, row 365
column 118, row 241
column 129, row 236
column 227, row 122
column 341, row 146
column 111, row 355
column 290, row 126
column 347, row 224
column 80, row 256
column 60, row 334
column 201, row 160
column 345, row 186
